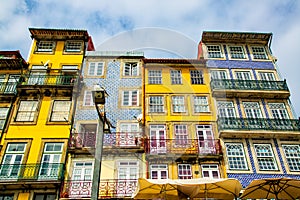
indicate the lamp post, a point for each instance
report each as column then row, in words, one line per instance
column 99, row 99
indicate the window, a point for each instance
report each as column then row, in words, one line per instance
column 158, row 142
column 259, row 53
column 196, row 77
column 200, row 104
column 243, row 75
column 86, row 136
column 60, row 111
column 210, row 171
column 45, row 196
column 265, row 157
column 88, row 99
column 27, row 111
column 178, row 104
column 45, row 46
column 267, row 76
column 130, row 98
column 128, row 173
column 154, row 77
column 278, row 110
column 50, row 163
column 236, row 156
column 12, row 160
column 206, row 140
column 237, row 52
column 184, row 171
column 181, row 134
column 128, row 134
column 6, row 197
column 292, row 155
column 159, row 171
column 156, row 104
column 226, row 109
column 3, row 115
column 252, row 110
column 218, row 74
column 176, row 77
column 37, row 77
column 82, row 171
column 130, row 69
column 214, row 51
column 96, row 69
column 73, row 46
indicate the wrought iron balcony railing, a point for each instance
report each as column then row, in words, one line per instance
column 117, row 139
column 41, row 171
column 184, row 146
column 258, row 124
column 55, row 80
column 8, row 87
column 108, row 188
column 230, row 84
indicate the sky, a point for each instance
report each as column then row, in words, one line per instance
column 160, row 27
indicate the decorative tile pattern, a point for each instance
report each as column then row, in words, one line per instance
column 238, row 64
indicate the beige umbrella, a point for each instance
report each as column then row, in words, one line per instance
column 210, row 188
column 272, row 188
column 155, row 189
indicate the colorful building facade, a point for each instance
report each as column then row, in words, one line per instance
column 259, row 133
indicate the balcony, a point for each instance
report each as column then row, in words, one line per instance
column 31, row 172
column 249, row 88
column 49, row 80
column 108, row 188
column 258, row 124
column 8, row 88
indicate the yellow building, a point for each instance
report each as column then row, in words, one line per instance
column 180, row 121
column 34, row 146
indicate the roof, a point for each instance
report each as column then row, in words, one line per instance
column 173, row 61
column 59, row 34
column 12, row 60
column 236, row 37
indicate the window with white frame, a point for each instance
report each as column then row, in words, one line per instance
column 210, row 171
column 237, row 52
column 218, row 74
column 184, row 171
column 27, row 111
column 131, row 69
column 159, row 171
column 156, row 104
column 243, row 75
column 6, row 196
column 252, row 110
column 178, row 105
column 96, row 69
column 181, row 134
column 60, row 111
column 154, row 77
column 128, row 134
column 128, row 170
column 129, row 127
column 236, row 156
column 292, row 155
column 226, row 109
column 259, row 53
column 200, row 104
column 88, row 99
column 130, row 98
column 214, row 51
column 82, row 171
column 267, row 76
column 3, row 115
column 73, row 46
column 278, row 110
column 45, row 46
column 176, row 77
column 196, row 77
column 265, row 157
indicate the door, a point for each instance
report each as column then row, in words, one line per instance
column 128, row 135
column 12, row 83
column 81, row 184
column 127, row 178
column 205, row 139
column 37, row 78
column 158, row 139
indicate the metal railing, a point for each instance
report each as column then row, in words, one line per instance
column 41, row 171
column 8, row 87
column 108, row 188
column 248, row 84
column 258, row 124
column 49, row 80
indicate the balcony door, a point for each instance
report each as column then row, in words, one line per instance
column 12, row 83
column 158, row 139
column 128, row 134
column 12, row 161
column 205, row 139
column 87, row 135
column 81, row 183
column 127, row 178
column 37, row 77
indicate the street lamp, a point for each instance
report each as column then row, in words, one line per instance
column 99, row 99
